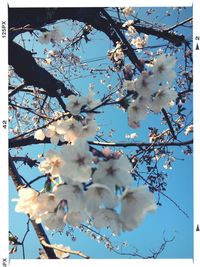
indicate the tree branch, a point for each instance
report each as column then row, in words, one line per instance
column 65, row 250
column 30, row 162
column 179, row 24
column 169, row 123
column 129, row 51
column 37, row 227
column 17, row 89
column 32, row 141
column 39, row 17
column 174, row 38
column 26, row 67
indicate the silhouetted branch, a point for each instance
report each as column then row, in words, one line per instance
column 154, row 254
column 179, row 24
column 169, row 123
column 26, row 67
column 32, row 141
column 129, row 50
column 30, row 162
column 37, row 18
column 17, row 89
column 37, row 227
column 162, row 193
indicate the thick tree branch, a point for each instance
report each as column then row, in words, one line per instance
column 174, row 38
column 37, row 227
column 129, row 50
column 26, row 67
column 39, row 17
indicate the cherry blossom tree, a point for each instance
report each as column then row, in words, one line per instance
column 86, row 179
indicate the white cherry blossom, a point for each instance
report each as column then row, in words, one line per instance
column 77, row 160
column 140, row 42
column 189, row 129
column 74, row 218
column 145, row 85
column 44, row 203
column 35, row 204
column 136, row 203
column 57, row 35
column 129, row 26
column 91, row 102
column 54, row 220
column 127, row 11
column 60, row 254
column 113, row 172
column 163, row 68
column 27, row 196
column 52, row 132
column 88, row 129
column 117, row 53
column 70, row 129
column 72, row 194
column 75, row 104
column 98, row 195
column 45, row 38
column 52, row 164
column 129, row 85
column 39, row 135
column 108, row 218
column 131, row 136
column 164, row 98
column 137, row 110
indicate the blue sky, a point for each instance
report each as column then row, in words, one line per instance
column 167, row 221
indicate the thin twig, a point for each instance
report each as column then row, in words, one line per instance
column 29, row 110
column 17, row 89
column 41, row 127
column 180, row 24
column 158, row 190
column 23, row 240
column 169, row 123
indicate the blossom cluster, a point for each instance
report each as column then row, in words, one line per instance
column 128, row 11
column 87, row 190
column 153, row 90
column 116, row 54
column 72, row 128
column 139, row 42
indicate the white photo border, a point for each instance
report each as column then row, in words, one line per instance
column 4, row 222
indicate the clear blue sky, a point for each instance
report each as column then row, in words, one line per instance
column 167, row 218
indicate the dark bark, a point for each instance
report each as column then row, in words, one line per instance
column 29, row 19
column 26, row 67
column 39, row 17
